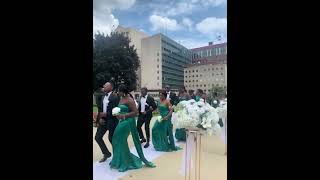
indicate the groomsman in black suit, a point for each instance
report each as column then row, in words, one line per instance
column 171, row 96
column 105, row 119
column 146, row 106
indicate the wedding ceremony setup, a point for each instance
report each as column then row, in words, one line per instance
column 193, row 161
column 159, row 90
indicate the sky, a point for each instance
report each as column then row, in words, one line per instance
column 192, row 23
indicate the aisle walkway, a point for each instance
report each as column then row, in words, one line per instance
column 213, row 162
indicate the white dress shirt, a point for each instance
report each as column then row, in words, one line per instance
column 168, row 96
column 106, row 102
column 143, row 102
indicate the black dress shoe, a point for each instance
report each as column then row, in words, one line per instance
column 105, row 157
column 147, row 145
column 143, row 140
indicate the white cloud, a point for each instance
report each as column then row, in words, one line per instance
column 181, row 7
column 213, row 3
column 103, row 19
column 187, row 22
column 159, row 22
column 213, row 27
column 112, row 4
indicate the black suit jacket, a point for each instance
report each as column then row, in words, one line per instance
column 173, row 98
column 151, row 103
column 113, row 102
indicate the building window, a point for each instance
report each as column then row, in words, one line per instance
column 200, row 75
column 204, row 85
column 158, row 77
column 196, row 70
column 205, row 90
column 205, row 70
column 192, row 70
column 221, row 68
column 186, row 76
column 197, row 80
column 217, row 68
column 221, row 74
column 186, row 81
column 212, row 74
column 158, row 66
column 217, row 85
column 192, row 75
column 210, row 52
column 200, row 85
column 197, row 85
column 197, row 75
column 158, row 72
column 192, row 80
column 189, row 71
column 157, row 53
column 186, row 71
column 158, row 60
column 189, row 80
column 157, row 83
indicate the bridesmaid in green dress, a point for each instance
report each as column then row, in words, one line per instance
column 161, row 130
column 122, row 158
column 180, row 134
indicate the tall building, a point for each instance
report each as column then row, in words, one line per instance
column 205, row 75
column 210, row 53
column 135, row 36
column 162, row 62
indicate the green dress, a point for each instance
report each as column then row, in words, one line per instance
column 181, row 134
column 122, row 158
column 161, row 130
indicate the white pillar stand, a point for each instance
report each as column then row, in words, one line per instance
column 196, row 135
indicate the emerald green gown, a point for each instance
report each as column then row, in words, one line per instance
column 181, row 132
column 122, row 158
column 161, row 130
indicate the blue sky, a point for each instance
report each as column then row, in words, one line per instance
column 193, row 23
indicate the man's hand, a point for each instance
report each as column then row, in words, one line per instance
column 94, row 117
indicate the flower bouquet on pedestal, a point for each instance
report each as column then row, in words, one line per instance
column 196, row 115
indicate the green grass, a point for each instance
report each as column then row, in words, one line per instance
column 94, row 108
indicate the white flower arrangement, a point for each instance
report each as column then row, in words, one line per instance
column 116, row 111
column 192, row 114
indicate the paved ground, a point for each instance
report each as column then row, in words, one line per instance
column 213, row 162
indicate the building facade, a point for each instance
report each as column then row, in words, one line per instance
column 162, row 62
column 205, row 75
column 210, row 53
column 135, row 36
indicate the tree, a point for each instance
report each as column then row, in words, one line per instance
column 114, row 60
